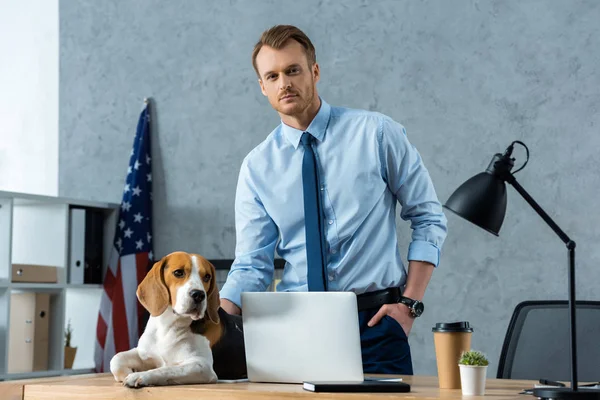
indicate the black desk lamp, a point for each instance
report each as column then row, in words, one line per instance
column 482, row 201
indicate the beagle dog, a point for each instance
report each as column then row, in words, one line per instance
column 188, row 339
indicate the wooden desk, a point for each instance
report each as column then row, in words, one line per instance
column 103, row 387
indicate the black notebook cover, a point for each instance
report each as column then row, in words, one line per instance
column 368, row 386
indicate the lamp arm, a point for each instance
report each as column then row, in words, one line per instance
column 571, row 262
column 510, row 178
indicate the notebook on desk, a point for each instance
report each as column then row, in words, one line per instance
column 292, row 337
column 368, row 386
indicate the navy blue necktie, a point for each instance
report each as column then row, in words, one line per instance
column 312, row 218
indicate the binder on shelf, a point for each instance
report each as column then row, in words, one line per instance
column 85, row 245
column 34, row 273
column 76, row 245
column 41, row 336
column 28, row 332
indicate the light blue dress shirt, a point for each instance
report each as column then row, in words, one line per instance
column 366, row 166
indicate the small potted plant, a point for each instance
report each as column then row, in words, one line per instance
column 69, row 351
column 473, row 369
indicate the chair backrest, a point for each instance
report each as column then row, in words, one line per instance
column 537, row 343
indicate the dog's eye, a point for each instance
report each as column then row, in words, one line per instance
column 206, row 278
column 178, row 273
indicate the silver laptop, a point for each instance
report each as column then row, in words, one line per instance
column 291, row 337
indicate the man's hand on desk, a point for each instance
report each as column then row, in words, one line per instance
column 399, row 312
column 230, row 307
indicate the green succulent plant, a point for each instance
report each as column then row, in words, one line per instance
column 473, row 357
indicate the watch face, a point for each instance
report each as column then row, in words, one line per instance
column 418, row 309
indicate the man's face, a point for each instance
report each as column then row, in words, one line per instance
column 286, row 79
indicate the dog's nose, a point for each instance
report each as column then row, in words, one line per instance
column 197, row 295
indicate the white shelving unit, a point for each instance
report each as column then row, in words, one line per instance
column 34, row 229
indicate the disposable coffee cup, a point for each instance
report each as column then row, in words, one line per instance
column 450, row 340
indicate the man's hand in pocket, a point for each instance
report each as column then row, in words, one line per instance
column 399, row 312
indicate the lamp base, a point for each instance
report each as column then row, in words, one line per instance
column 567, row 393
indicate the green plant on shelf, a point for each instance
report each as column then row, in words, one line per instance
column 68, row 333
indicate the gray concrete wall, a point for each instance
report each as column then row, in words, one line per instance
column 464, row 77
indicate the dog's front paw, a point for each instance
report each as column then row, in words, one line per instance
column 121, row 373
column 137, row 380
column 119, row 368
column 213, row 378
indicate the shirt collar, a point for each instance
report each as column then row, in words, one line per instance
column 316, row 128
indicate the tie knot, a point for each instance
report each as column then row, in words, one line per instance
column 306, row 139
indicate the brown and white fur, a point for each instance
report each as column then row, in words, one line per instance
column 180, row 290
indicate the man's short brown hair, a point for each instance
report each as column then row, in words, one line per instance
column 277, row 37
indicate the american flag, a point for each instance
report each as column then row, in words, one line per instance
column 121, row 316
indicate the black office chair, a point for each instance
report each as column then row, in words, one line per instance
column 537, row 342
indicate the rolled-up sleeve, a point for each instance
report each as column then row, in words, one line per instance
column 408, row 178
column 256, row 238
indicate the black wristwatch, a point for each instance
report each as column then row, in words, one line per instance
column 415, row 306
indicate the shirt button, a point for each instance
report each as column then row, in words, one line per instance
column 322, row 188
column 330, row 277
column 333, row 251
column 330, row 221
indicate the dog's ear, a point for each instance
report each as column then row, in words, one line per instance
column 152, row 292
column 214, row 301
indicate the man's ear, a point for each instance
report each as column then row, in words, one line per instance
column 262, row 87
column 152, row 291
column 214, row 301
column 316, row 72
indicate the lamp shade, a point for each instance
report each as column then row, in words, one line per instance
column 480, row 200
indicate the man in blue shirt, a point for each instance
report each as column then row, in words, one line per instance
column 366, row 165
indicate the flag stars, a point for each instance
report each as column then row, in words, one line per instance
column 138, row 217
column 137, row 191
column 136, row 165
column 139, row 244
column 149, row 177
column 127, row 233
column 129, row 170
column 149, row 237
column 126, row 206
column 119, row 243
column 126, row 189
column 151, row 255
column 147, row 159
column 121, row 224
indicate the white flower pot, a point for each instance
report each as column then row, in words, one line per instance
column 472, row 379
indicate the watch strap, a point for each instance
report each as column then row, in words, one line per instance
column 407, row 301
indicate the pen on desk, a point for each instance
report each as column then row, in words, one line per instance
column 552, row 383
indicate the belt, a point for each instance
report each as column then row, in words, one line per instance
column 378, row 298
